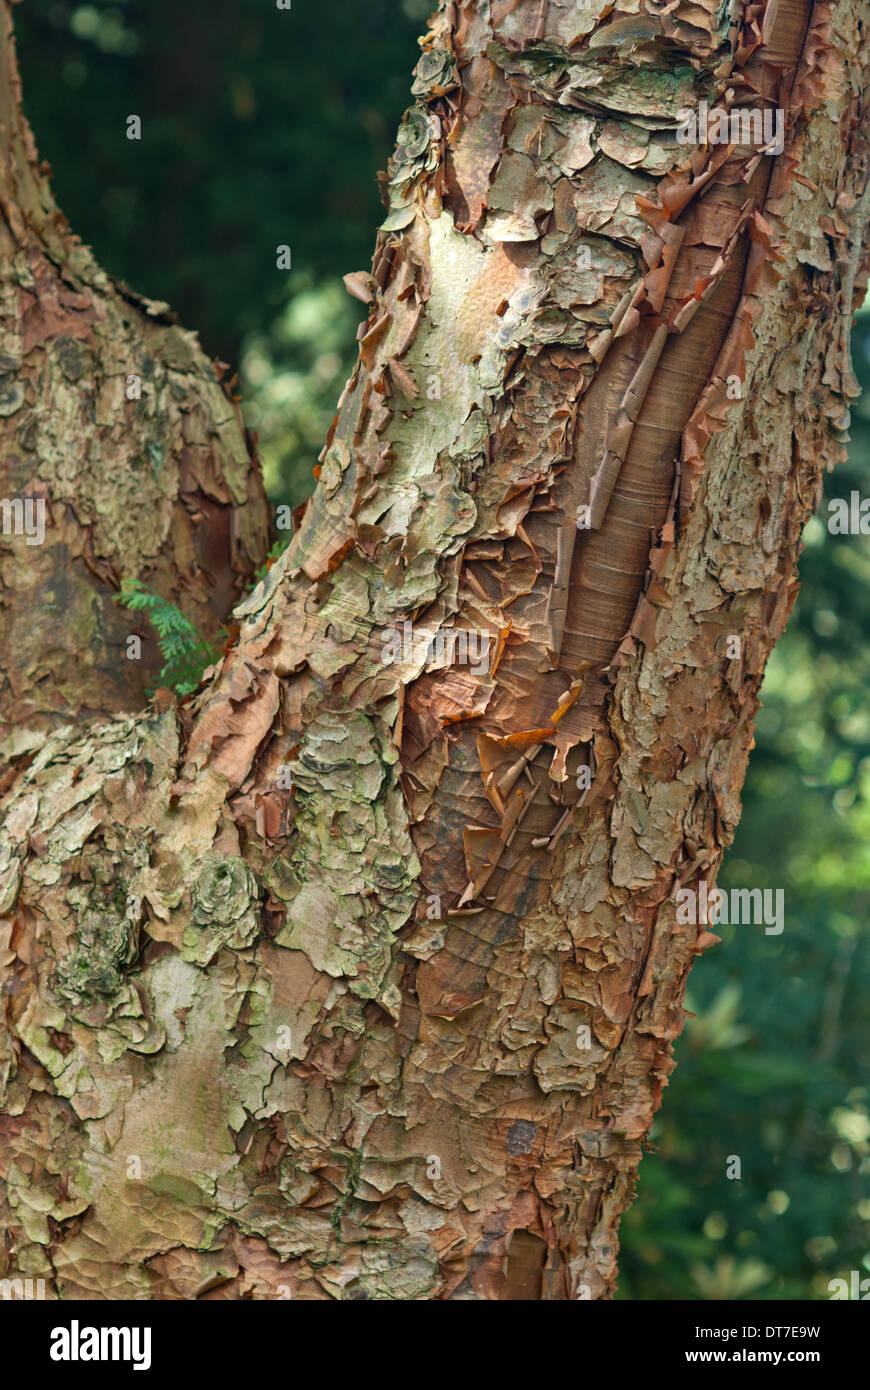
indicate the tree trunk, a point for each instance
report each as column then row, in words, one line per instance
column 345, row 980
column 113, row 424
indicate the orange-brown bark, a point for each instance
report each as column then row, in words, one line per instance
column 399, row 1029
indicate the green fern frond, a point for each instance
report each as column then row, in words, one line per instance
column 185, row 652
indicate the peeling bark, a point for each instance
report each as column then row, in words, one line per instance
column 113, row 420
column 399, row 1029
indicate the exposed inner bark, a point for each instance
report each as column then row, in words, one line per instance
column 399, row 1030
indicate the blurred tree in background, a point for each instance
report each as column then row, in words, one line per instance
column 260, row 128
column 265, row 127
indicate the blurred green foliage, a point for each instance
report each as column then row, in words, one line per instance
column 264, row 127
column 260, row 127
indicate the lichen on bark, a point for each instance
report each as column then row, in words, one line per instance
column 225, row 901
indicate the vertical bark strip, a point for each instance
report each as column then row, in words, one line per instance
column 114, row 422
column 399, row 1029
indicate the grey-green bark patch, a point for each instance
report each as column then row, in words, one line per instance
column 106, row 947
column 394, row 1271
column 353, row 858
column 593, row 80
column 226, row 909
column 11, row 397
column 416, row 154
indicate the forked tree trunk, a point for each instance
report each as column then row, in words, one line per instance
column 398, row 1030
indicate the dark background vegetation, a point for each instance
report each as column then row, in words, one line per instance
column 264, row 127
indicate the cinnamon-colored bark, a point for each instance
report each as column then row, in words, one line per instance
column 399, row 1031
